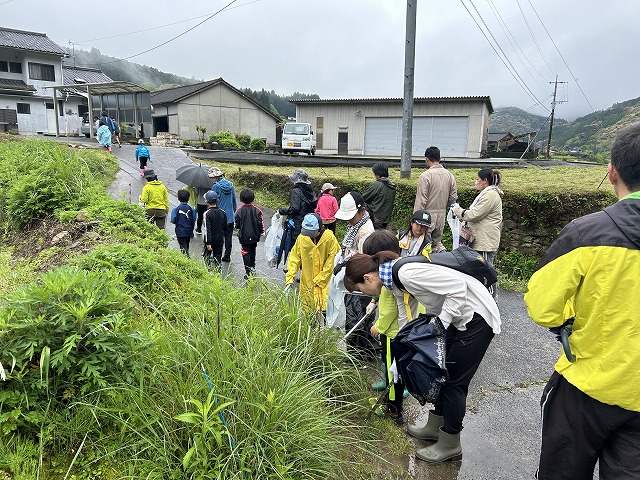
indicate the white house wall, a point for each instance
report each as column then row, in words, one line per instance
column 350, row 117
column 220, row 108
column 36, row 121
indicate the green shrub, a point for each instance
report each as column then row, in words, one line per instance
column 65, row 335
column 244, row 140
column 257, row 145
column 218, row 136
column 38, row 178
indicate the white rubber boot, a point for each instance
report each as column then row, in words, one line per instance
column 446, row 448
column 431, row 431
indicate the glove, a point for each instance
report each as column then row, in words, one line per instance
column 371, row 307
column 455, row 206
column 393, row 370
column 287, row 289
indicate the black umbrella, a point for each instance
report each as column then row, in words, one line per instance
column 194, row 175
column 286, row 243
column 419, row 350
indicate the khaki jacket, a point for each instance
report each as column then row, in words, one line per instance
column 436, row 190
column 484, row 218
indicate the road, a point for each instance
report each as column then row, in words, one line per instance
column 501, row 436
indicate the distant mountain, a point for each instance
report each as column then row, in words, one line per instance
column 154, row 79
column 517, row 121
column 592, row 133
column 596, row 131
column 126, row 71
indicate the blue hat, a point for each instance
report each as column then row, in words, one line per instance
column 210, row 196
column 311, row 224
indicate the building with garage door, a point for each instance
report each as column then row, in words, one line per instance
column 458, row 126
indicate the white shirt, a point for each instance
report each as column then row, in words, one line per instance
column 445, row 292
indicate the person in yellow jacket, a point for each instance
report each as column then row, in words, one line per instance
column 155, row 199
column 313, row 252
column 591, row 404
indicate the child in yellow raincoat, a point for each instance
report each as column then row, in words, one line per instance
column 313, row 252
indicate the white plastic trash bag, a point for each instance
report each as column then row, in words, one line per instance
column 454, row 224
column 336, row 316
column 272, row 241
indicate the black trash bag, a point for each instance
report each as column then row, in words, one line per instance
column 360, row 343
column 419, row 349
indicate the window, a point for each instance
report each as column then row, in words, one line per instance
column 4, row 66
column 23, row 108
column 40, row 71
column 15, row 67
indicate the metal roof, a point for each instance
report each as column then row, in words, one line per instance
column 32, row 41
column 486, row 99
column 15, row 86
column 83, row 75
column 106, row 87
column 176, row 94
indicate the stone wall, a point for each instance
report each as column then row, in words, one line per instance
column 164, row 139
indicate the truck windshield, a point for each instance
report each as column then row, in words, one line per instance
column 296, row 128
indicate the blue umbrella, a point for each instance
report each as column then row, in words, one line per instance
column 419, row 350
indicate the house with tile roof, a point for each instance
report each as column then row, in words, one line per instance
column 216, row 105
column 31, row 64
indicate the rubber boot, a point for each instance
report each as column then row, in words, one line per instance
column 380, row 385
column 431, row 431
column 446, row 448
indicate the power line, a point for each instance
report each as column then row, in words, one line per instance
column 171, row 39
column 158, row 27
column 524, row 17
column 518, row 50
column 565, row 62
column 514, row 74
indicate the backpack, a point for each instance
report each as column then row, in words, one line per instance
column 463, row 259
column 108, row 122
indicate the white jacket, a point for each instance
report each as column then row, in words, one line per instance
column 445, row 292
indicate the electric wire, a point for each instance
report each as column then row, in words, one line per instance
column 562, row 57
column 171, row 39
column 524, row 17
column 516, row 48
column 519, row 81
column 158, row 27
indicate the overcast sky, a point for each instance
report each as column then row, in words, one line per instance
column 355, row 48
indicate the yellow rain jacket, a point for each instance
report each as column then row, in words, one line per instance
column 315, row 257
column 595, row 263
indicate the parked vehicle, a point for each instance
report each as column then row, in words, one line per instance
column 298, row 137
column 85, row 128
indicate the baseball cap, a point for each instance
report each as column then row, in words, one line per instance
column 311, row 224
column 349, row 205
column 149, row 172
column 141, row 141
column 215, row 172
column 327, row 186
column 210, row 196
column 421, row 217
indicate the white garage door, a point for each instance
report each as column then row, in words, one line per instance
column 383, row 135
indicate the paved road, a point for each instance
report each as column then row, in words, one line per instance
column 501, row 437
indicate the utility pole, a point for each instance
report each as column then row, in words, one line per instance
column 407, row 104
column 553, row 109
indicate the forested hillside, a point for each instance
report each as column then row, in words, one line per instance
column 154, row 79
column 127, row 71
column 517, row 121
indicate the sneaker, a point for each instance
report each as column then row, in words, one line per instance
column 198, row 232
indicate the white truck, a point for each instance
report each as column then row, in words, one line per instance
column 298, row 137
